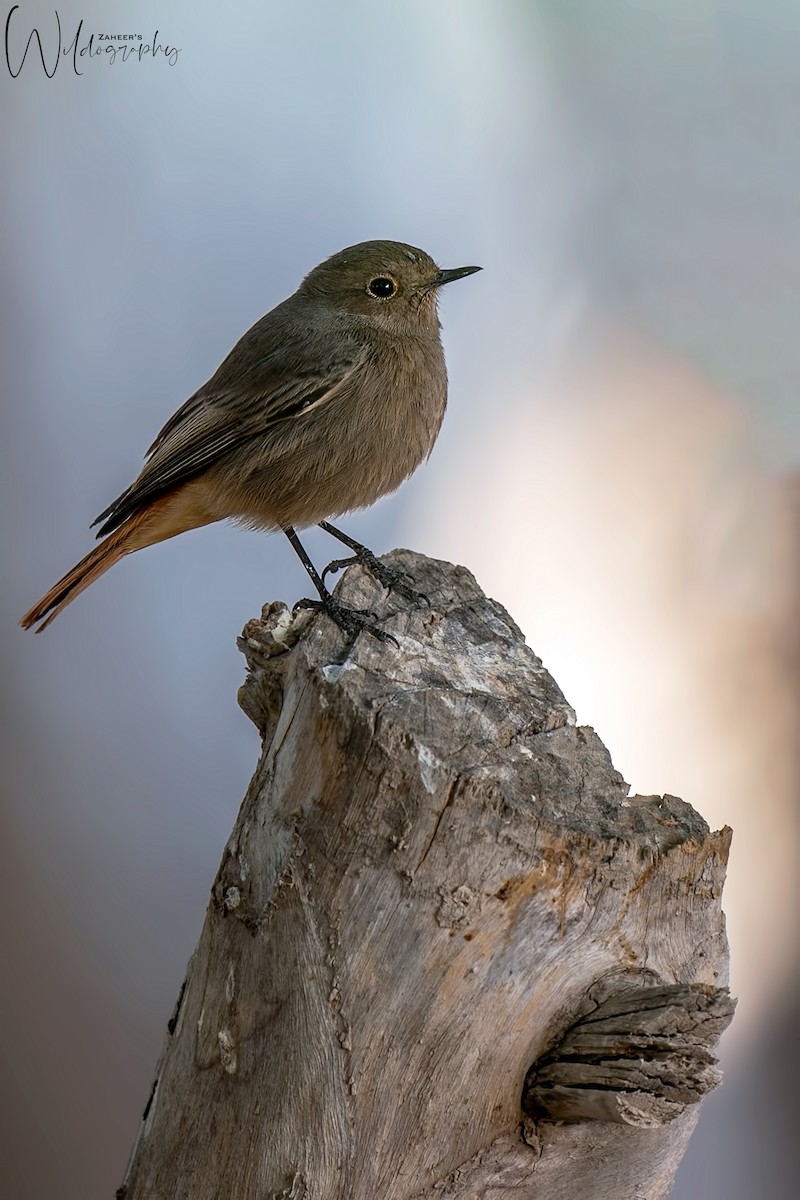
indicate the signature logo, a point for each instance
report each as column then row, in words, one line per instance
column 108, row 47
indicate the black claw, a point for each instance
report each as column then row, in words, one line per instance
column 339, row 564
column 351, row 620
column 386, row 577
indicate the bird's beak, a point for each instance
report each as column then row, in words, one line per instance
column 443, row 277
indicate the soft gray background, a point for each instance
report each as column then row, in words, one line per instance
column 623, row 396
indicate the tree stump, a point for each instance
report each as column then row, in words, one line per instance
column 446, row 955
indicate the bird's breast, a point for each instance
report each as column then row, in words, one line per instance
column 396, row 410
column 357, row 446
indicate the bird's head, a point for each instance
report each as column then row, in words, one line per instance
column 393, row 285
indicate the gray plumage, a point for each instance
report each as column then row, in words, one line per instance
column 328, row 402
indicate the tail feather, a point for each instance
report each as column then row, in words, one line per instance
column 95, row 564
column 172, row 514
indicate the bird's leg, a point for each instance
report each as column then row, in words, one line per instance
column 391, row 580
column 351, row 620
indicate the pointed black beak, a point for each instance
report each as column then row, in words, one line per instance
column 443, row 277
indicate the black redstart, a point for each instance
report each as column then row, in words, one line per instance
column 331, row 400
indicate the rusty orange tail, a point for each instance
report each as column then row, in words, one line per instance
column 164, row 518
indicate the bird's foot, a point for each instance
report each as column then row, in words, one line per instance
column 392, row 580
column 352, row 620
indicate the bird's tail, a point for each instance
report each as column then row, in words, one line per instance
column 164, row 518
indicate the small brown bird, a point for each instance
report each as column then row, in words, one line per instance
column 331, row 400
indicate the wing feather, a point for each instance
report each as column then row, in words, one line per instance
column 250, row 393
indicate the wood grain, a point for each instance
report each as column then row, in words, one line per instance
column 446, row 955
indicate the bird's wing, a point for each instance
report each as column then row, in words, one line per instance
column 258, row 384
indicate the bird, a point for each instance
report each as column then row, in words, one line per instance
column 328, row 402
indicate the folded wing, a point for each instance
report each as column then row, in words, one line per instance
column 259, row 384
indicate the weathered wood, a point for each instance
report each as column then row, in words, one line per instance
column 437, row 889
column 637, row 1058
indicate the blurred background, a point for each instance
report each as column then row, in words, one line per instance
column 618, row 465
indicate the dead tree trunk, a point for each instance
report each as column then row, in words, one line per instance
column 446, row 956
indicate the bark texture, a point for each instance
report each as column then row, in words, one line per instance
column 446, row 955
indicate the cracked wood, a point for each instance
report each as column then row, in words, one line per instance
column 435, row 881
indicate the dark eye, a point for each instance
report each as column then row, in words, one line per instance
column 382, row 287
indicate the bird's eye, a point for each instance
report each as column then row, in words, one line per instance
column 382, row 288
